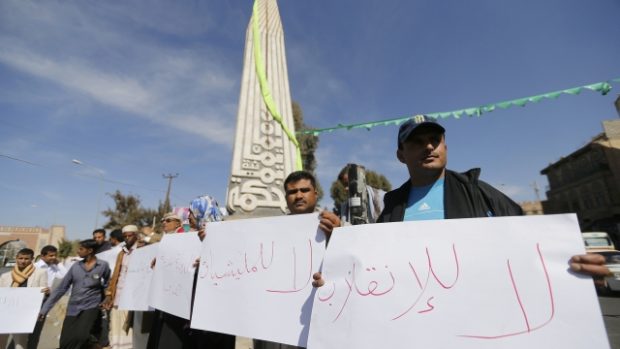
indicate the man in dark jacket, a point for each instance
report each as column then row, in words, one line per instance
column 301, row 197
column 434, row 192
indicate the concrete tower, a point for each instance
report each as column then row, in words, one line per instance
column 263, row 155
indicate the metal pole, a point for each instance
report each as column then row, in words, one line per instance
column 170, row 177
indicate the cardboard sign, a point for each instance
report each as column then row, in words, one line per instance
column 462, row 283
column 255, row 275
column 135, row 293
column 173, row 275
column 19, row 307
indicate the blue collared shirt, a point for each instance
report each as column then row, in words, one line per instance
column 88, row 287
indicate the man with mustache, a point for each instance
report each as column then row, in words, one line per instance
column 301, row 197
column 434, row 192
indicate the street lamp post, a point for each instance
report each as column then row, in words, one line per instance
column 100, row 176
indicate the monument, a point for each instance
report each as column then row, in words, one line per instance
column 263, row 154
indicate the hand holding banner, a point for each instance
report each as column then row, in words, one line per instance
column 460, row 283
column 255, row 276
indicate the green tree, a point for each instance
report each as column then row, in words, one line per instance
column 308, row 144
column 129, row 211
column 374, row 179
column 67, row 248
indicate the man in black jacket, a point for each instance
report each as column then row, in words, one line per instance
column 434, row 192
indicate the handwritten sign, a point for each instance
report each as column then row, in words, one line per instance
column 255, row 277
column 19, row 307
column 467, row 283
column 173, row 275
column 135, row 294
column 110, row 256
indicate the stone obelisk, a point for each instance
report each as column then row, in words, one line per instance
column 263, row 155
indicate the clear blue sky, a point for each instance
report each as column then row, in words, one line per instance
column 137, row 89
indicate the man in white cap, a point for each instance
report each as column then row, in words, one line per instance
column 120, row 334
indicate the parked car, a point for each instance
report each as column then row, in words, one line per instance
column 612, row 261
column 597, row 241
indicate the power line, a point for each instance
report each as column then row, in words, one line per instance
column 84, row 175
column 20, row 160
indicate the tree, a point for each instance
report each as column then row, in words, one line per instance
column 339, row 193
column 67, row 248
column 308, row 143
column 129, row 211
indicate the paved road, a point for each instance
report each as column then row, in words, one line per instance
column 610, row 308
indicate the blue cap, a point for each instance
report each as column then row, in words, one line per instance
column 415, row 123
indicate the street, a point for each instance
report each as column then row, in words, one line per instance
column 610, row 308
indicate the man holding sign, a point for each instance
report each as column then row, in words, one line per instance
column 24, row 274
column 434, row 192
column 301, row 197
column 120, row 335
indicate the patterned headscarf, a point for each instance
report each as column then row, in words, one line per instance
column 183, row 213
column 205, row 209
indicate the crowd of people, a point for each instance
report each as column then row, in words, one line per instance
column 93, row 319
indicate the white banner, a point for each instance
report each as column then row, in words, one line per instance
column 173, row 275
column 20, row 308
column 110, row 256
column 135, row 293
column 255, row 277
column 462, row 283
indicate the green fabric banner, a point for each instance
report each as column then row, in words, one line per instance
column 601, row 87
column 264, row 87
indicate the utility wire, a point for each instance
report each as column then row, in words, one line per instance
column 86, row 175
column 20, row 160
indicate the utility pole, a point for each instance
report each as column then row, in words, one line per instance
column 170, row 177
column 536, row 190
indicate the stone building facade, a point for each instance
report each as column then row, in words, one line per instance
column 587, row 182
column 532, row 207
column 32, row 237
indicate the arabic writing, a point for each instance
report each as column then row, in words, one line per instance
column 9, row 301
column 373, row 288
column 178, row 263
column 295, row 288
column 246, row 263
column 380, row 282
column 252, row 193
column 235, row 269
column 527, row 326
